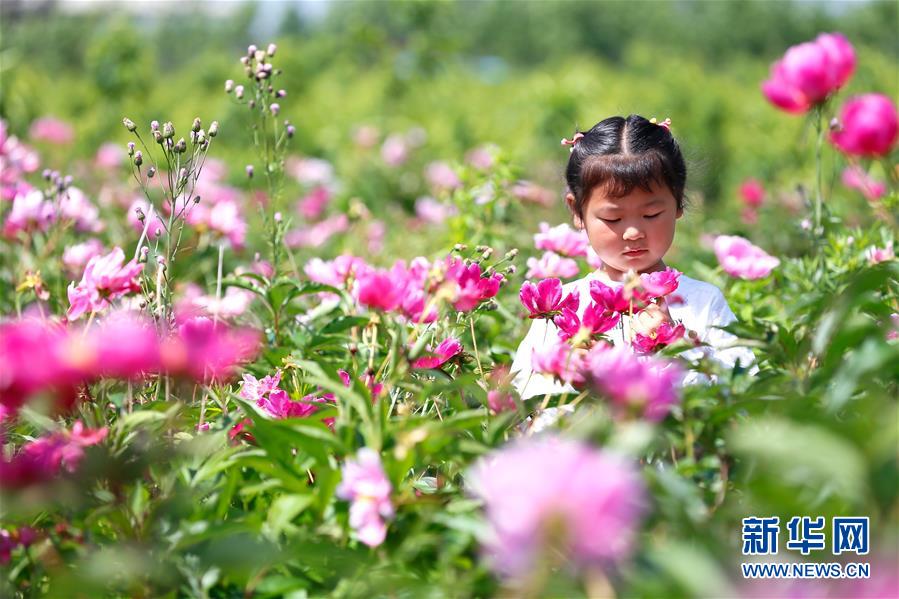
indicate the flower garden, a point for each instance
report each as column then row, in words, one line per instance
column 250, row 353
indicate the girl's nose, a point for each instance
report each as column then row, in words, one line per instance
column 632, row 233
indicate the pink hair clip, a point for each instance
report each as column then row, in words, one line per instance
column 572, row 141
column 666, row 123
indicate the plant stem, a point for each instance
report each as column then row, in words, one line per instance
column 819, row 185
column 218, row 286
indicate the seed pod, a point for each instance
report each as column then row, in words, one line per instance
column 151, row 172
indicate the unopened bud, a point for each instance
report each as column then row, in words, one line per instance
column 213, row 128
column 291, row 130
column 138, row 158
column 196, row 199
column 129, row 124
column 154, row 125
column 168, row 130
column 250, row 171
column 278, row 217
column 281, row 93
column 157, row 136
column 487, row 253
column 490, row 306
column 131, row 148
column 275, row 108
column 197, row 125
column 46, row 174
column 160, row 260
column 144, row 252
column 251, row 104
column 259, row 55
column 238, row 92
column 229, row 86
column 460, row 247
column 182, row 176
column 272, row 48
column 511, row 270
column 835, row 124
column 261, row 74
column 244, row 60
column 151, row 172
column 201, row 136
column 511, row 253
column 480, row 248
column 251, row 49
column 181, row 146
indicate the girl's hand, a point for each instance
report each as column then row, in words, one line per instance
column 648, row 320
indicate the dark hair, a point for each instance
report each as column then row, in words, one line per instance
column 620, row 154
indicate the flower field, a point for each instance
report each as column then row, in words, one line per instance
column 258, row 326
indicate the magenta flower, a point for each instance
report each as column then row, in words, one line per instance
column 30, row 212
column 560, row 361
column 105, row 279
column 877, row 255
column 274, row 401
column 646, row 385
column 739, row 258
column 869, row 126
column 661, row 283
column 207, row 351
column 499, row 401
column 75, row 257
column 379, row 290
column 560, row 500
column 124, row 345
column 313, row 204
column 336, row 272
column 226, row 219
column 562, row 239
column 364, row 483
column 596, row 321
column 665, row 334
column 473, row 286
column 52, row 130
column 448, row 349
column 752, row 193
column 808, row 73
column 545, row 300
column 43, row 459
column 612, row 299
column 854, row 177
column 551, row 265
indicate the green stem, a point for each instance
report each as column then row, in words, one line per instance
column 819, row 185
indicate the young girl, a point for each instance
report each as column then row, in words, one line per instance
column 626, row 179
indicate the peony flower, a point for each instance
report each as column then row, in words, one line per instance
column 226, row 219
column 433, row 212
column 551, row 265
column 661, row 283
column 311, row 171
column 559, row 360
column 869, row 126
column 274, row 401
column 313, row 204
column 105, row 279
column 448, row 349
column 30, row 212
column 481, row 157
column 44, row 458
column 316, row 235
column 473, row 286
column 442, row 177
column 395, row 150
column 124, row 345
column 808, row 73
column 52, row 130
column 666, row 334
column 548, row 498
column 613, row 299
column 527, row 191
column 752, row 193
column 562, row 239
column 545, row 300
column 75, row 207
column 499, row 401
column 876, row 255
column 109, row 156
column 380, row 290
column 75, row 257
column 633, row 383
column 207, row 351
column 335, row 272
column 739, row 258
column 364, row 483
column 596, row 321
column 855, row 177
column 233, row 303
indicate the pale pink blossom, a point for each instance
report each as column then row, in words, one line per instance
column 808, row 73
column 660, row 283
column 739, row 258
column 855, row 177
column 548, row 498
column 75, row 207
column 482, row 157
column 234, row 302
column 551, row 265
column 562, row 239
column 316, row 235
column 155, row 228
column 545, row 299
column 30, row 212
column 313, row 204
column 643, row 385
column 533, row 193
column 559, row 360
column 109, row 156
column 53, row 130
column 311, row 171
column 335, row 272
column 16, row 161
column 442, row 177
column 433, row 212
column 364, row 483
column 448, row 349
column 876, row 255
column 374, row 236
column 593, row 259
column 226, row 219
column 366, row 136
column 869, row 126
column 395, row 150
column 105, row 279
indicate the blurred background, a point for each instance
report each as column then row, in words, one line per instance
column 448, row 77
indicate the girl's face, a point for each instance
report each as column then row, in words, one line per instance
column 632, row 232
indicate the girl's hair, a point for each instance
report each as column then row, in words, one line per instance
column 619, row 154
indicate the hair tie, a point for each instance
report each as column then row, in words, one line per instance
column 666, row 123
column 572, row 141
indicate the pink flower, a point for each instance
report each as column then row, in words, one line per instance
column 380, row 290
column 527, row 191
column 52, row 130
column 855, row 177
column 442, row 177
column 551, row 265
column 661, row 283
column 208, row 351
column 123, row 345
column 75, row 257
column 395, row 150
column 275, row 401
column 739, row 258
column 30, row 212
column 612, row 299
column 482, row 157
column 311, row 171
column 109, row 156
column 313, row 204
column 544, row 300
column 16, row 160
column 233, row 303
column 155, row 228
column 810, row 72
column 647, row 385
column 877, row 255
column 593, row 259
column 75, row 207
column 317, row 234
column 364, row 483
column 374, row 234
column 473, row 286
column 869, row 126
column 105, row 279
column 548, row 497
column 499, row 401
column 596, row 321
column 226, row 219
column 562, row 239
column 752, row 193
column 559, row 360
column 42, row 459
column 366, row 136
column 448, row 349
column 665, row 334
column 431, row 211
column 335, row 272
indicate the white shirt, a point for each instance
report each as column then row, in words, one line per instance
column 702, row 310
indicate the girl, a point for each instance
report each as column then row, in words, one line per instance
column 626, row 179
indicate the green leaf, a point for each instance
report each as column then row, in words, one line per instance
column 283, row 510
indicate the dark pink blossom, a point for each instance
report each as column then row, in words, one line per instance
column 596, row 321
column 752, row 193
column 560, row 361
column 612, row 299
column 474, row 286
column 869, row 126
column 448, row 349
column 545, row 299
column 647, row 386
column 43, row 459
column 207, row 351
column 313, row 204
column 666, row 334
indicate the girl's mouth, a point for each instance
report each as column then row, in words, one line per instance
column 635, row 253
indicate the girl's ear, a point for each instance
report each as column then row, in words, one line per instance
column 679, row 213
column 578, row 222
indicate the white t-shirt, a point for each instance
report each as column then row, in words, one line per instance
column 702, row 310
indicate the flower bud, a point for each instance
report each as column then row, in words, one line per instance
column 259, row 55
column 244, row 60
column 229, row 86
column 67, row 181
column 291, row 131
column 157, row 136
column 272, row 48
column 460, row 247
column 154, row 125
column 197, row 125
column 213, row 128
column 160, row 260
column 511, row 270
column 181, row 146
column 278, row 217
column 129, row 124
column 238, row 92
column 250, row 171
column 168, row 130
column 201, row 136
column 140, row 214
column 131, row 148
column 487, row 253
column 261, row 74
column 490, row 306
column 46, row 174
column 251, row 49
column 144, row 252
column 182, row 176
column 511, row 253
column 196, row 199
column 138, row 158
column 281, row 93
column 151, row 172
column 481, row 248
column 275, row 108
column 251, row 104
column 835, row 124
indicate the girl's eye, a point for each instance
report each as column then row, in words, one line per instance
column 609, row 220
column 652, row 215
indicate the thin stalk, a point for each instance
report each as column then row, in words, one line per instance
column 819, row 175
column 218, row 285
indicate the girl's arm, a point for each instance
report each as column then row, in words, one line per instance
column 724, row 346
